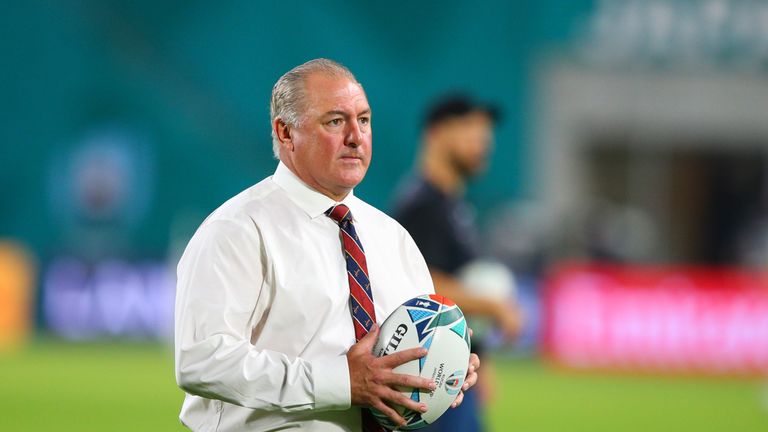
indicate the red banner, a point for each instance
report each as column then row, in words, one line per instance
column 658, row 319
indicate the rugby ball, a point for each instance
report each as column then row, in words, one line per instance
column 491, row 280
column 437, row 324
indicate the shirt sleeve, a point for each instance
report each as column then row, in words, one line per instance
column 220, row 279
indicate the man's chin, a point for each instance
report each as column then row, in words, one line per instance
column 352, row 179
column 473, row 170
column 351, row 184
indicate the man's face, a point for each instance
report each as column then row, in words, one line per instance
column 330, row 149
column 469, row 140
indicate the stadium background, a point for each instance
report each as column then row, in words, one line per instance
column 125, row 123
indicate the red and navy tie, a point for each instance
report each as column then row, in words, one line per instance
column 360, row 294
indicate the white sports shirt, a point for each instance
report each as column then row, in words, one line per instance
column 262, row 311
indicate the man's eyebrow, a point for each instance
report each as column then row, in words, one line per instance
column 335, row 112
column 344, row 113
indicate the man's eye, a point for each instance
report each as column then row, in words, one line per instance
column 335, row 122
column 364, row 120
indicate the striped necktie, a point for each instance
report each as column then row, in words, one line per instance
column 360, row 295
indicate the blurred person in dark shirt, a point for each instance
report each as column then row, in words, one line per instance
column 456, row 141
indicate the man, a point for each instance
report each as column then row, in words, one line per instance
column 457, row 138
column 274, row 327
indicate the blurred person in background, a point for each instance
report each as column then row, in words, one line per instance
column 274, row 328
column 456, row 141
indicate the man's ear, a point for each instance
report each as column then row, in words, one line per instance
column 283, row 133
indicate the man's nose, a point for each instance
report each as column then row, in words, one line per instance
column 354, row 135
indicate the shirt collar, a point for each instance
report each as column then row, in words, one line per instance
column 312, row 202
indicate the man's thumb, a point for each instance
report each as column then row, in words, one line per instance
column 372, row 336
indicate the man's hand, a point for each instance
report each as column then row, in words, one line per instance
column 509, row 318
column 471, row 379
column 373, row 382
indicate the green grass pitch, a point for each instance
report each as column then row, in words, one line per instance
column 53, row 386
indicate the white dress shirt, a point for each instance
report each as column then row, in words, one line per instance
column 262, row 308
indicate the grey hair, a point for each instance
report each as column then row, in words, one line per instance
column 288, row 95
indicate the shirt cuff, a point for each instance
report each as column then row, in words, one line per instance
column 331, row 384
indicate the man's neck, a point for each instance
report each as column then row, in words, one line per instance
column 442, row 175
column 337, row 196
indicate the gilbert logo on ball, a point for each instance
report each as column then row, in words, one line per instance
column 433, row 322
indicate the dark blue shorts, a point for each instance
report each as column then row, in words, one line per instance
column 465, row 418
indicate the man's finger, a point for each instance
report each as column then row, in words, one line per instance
column 471, row 378
column 402, row 380
column 459, row 400
column 397, row 398
column 394, row 360
column 369, row 340
column 474, row 360
column 389, row 412
column 469, row 381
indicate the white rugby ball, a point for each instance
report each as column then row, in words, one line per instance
column 437, row 324
column 491, row 280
